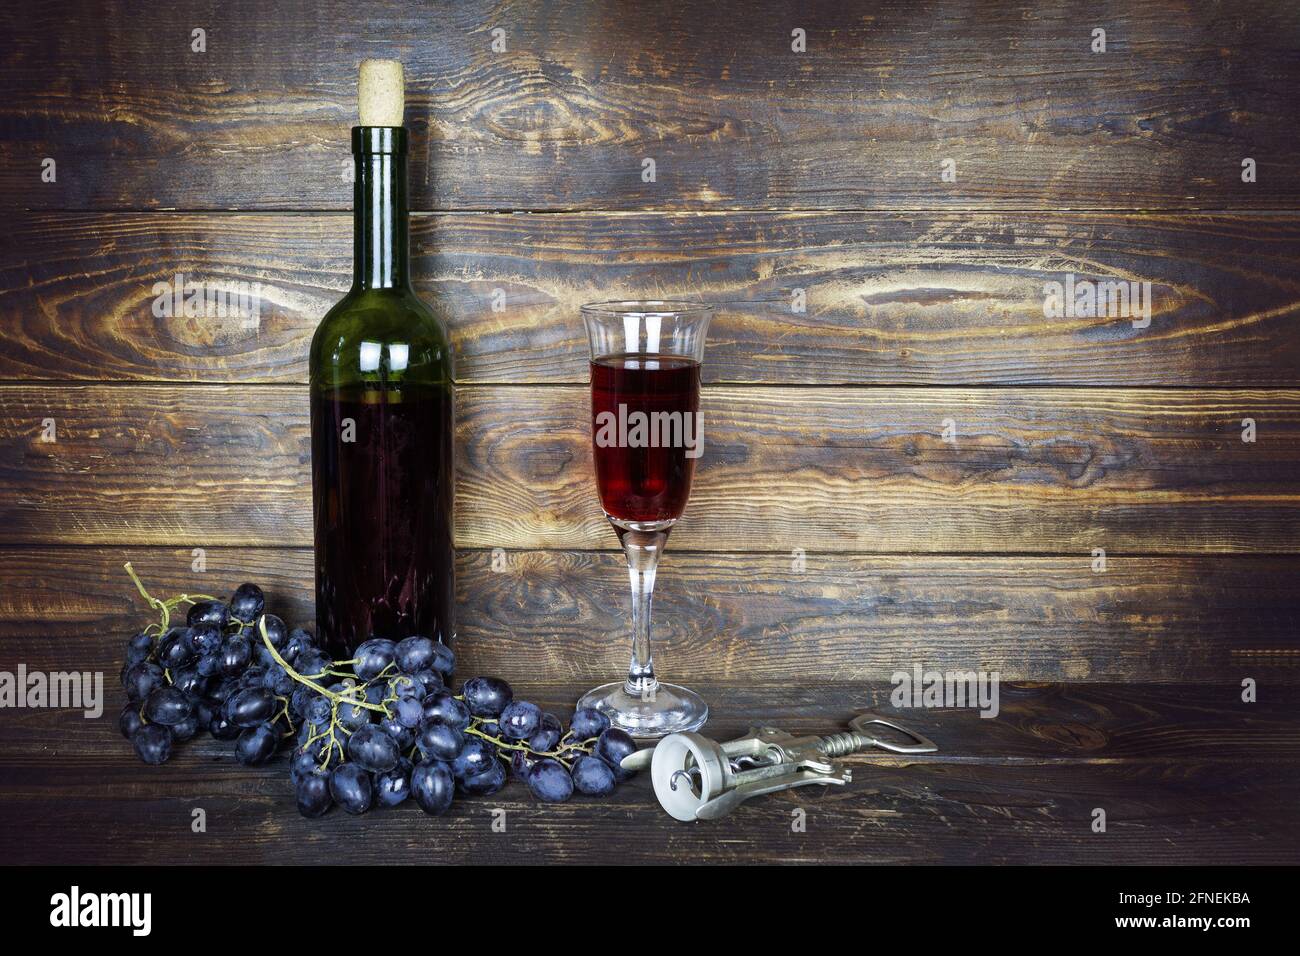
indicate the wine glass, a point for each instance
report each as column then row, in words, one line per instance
column 646, row 436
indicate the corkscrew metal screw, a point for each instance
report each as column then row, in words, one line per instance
column 696, row 778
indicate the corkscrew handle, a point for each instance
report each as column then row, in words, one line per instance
column 860, row 736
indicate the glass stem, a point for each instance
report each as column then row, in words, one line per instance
column 643, row 549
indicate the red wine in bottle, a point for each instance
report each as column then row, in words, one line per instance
column 382, row 415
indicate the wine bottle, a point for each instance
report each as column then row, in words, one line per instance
column 382, row 413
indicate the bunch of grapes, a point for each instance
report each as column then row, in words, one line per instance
column 390, row 729
column 211, row 674
column 373, row 730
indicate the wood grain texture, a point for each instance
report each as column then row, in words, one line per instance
column 1186, row 776
column 776, row 171
column 1040, row 470
column 563, row 616
column 889, row 297
column 1036, row 470
column 584, row 91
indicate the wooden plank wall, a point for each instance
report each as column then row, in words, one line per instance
column 780, row 177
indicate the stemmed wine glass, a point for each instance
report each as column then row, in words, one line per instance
column 646, row 436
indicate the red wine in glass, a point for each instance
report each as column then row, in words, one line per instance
column 645, row 433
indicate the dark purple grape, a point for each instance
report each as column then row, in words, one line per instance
column 405, row 736
column 351, row 788
column 476, row 756
column 317, row 709
column 430, row 680
column 520, row 720
column 414, row 654
column 311, row 663
column 408, row 712
column 236, row 654
column 292, row 650
column 587, row 722
column 186, row 729
column 313, row 795
column 442, row 705
column 612, row 746
column 593, row 776
column 394, row 786
column 176, row 649
column 140, row 680
column 492, row 779
column 372, row 657
column 256, row 745
column 486, row 696
column 439, row 741
column 276, row 630
column 247, row 604
column 373, row 749
column 206, row 638
column 262, row 655
column 444, row 661
column 550, row 781
column 351, row 715
column 547, row 736
column 153, row 743
column 139, row 648
column 167, row 706
column 209, row 665
column 222, row 689
column 271, row 675
column 433, row 786
column 278, row 681
column 302, row 763
column 207, row 613
column 222, row 728
column 521, row 762
column 300, row 699
column 130, row 721
column 250, row 706
column 189, row 681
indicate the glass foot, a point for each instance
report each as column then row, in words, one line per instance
column 673, row 710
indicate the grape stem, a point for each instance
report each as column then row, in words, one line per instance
column 331, row 695
column 164, row 611
column 164, row 608
column 586, row 746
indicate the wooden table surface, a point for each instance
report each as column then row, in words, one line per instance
column 907, row 461
column 1185, row 774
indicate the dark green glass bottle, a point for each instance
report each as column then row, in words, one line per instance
column 382, row 430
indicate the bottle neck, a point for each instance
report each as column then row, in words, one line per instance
column 381, row 257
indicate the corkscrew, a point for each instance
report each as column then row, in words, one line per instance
column 696, row 778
